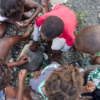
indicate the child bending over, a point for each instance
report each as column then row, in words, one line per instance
column 5, row 73
column 56, row 26
column 63, row 82
column 87, row 41
column 12, row 11
column 7, row 92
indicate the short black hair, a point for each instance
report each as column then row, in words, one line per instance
column 87, row 40
column 11, row 8
column 5, row 75
column 52, row 27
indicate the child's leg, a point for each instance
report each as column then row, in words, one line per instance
column 45, row 6
column 7, row 43
column 11, row 94
column 56, row 52
column 3, row 28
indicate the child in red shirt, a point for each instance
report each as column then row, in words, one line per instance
column 57, row 26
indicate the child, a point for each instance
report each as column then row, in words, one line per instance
column 92, row 78
column 60, row 82
column 87, row 41
column 5, row 73
column 12, row 11
column 5, row 77
column 56, row 26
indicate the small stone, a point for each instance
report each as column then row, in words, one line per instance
column 11, row 60
column 45, row 56
column 56, row 2
column 16, row 52
column 14, row 69
column 99, row 16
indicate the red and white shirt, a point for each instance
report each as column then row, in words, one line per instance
column 70, row 22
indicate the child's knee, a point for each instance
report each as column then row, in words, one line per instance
column 3, row 28
column 2, row 33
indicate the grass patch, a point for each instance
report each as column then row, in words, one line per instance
column 80, row 18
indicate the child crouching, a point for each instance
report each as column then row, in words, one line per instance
column 58, row 82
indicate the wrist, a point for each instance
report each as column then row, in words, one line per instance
column 18, row 63
column 35, row 41
column 30, row 20
column 84, row 89
column 21, row 83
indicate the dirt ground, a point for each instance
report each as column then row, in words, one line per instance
column 91, row 17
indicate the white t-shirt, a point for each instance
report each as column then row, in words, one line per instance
column 2, row 18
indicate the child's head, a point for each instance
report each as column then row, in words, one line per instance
column 12, row 9
column 5, row 75
column 88, row 40
column 51, row 28
column 64, row 84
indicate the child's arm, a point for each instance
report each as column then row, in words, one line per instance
column 34, row 45
column 24, row 59
column 45, row 6
column 14, row 23
column 29, row 4
column 90, row 87
column 36, row 74
column 22, row 77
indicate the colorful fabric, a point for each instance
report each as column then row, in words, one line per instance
column 94, row 76
column 2, row 95
column 36, row 84
column 40, row 89
column 98, row 54
column 69, row 19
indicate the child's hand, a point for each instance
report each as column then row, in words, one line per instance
column 23, row 59
column 90, row 86
column 34, row 46
column 19, row 26
column 36, row 74
column 25, row 24
column 22, row 76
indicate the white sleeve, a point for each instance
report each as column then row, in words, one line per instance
column 35, row 33
column 58, row 43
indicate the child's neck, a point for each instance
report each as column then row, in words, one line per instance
column 43, row 90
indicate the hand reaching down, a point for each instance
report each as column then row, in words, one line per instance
column 34, row 46
column 24, row 59
column 25, row 24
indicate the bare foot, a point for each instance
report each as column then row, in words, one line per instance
column 27, row 34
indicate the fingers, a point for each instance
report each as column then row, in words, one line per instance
column 23, row 72
column 91, row 86
column 25, row 58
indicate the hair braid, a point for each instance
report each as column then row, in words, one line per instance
column 64, row 83
column 5, row 75
column 11, row 8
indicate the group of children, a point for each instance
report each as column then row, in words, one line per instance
column 55, row 82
